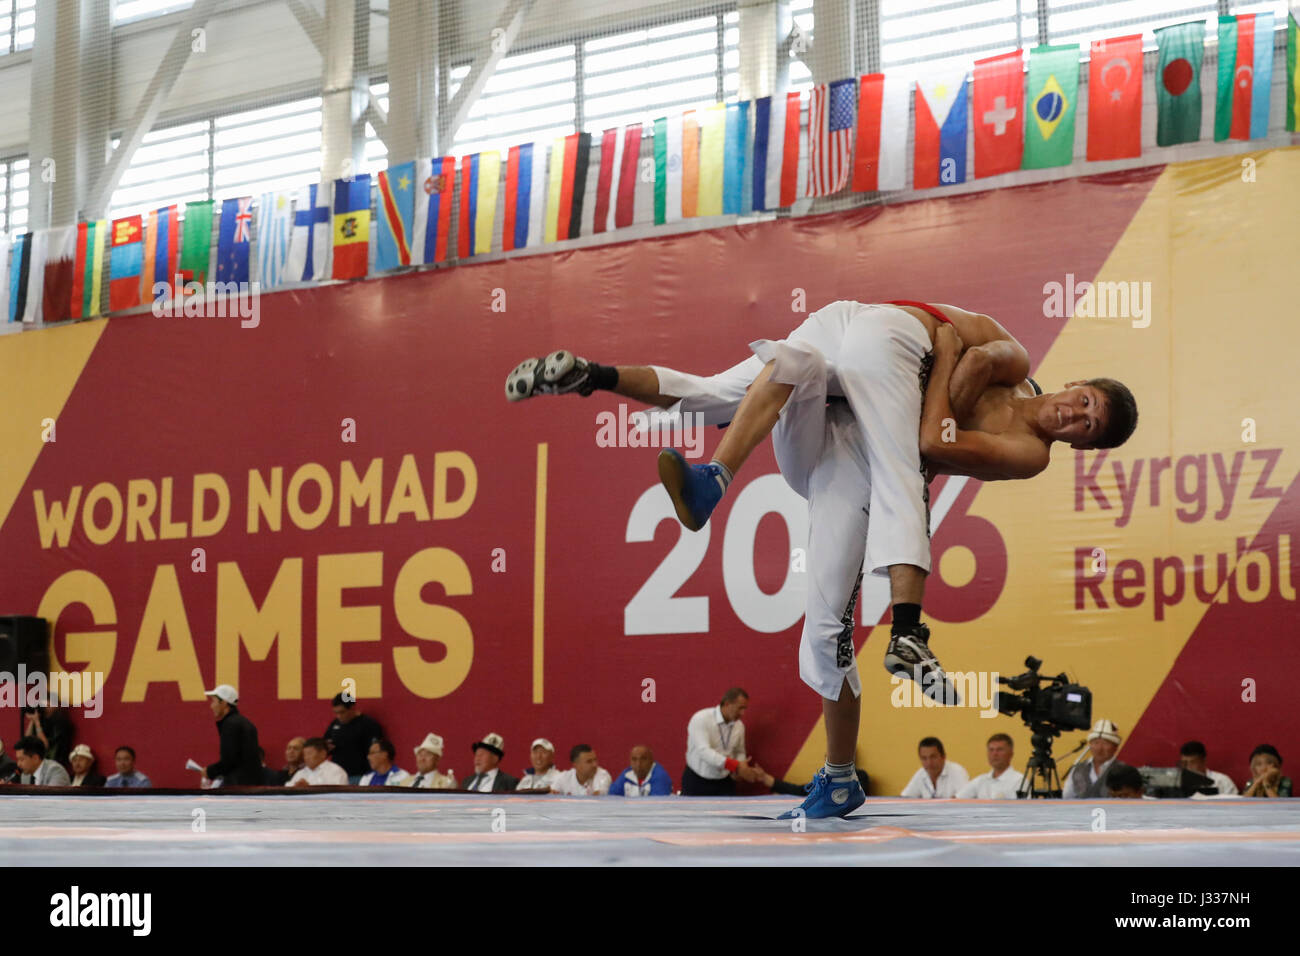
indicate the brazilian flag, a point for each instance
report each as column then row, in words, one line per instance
column 1053, row 94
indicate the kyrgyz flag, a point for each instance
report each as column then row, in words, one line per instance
column 1178, row 83
column 999, row 116
column 1115, row 99
column 1292, row 74
column 351, row 227
column 1245, row 75
column 1053, row 98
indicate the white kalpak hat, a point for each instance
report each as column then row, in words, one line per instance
column 431, row 743
column 1104, row 730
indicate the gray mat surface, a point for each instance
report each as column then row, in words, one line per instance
column 480, row 829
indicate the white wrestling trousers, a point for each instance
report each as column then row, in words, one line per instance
column 858, row 465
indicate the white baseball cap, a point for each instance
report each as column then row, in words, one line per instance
column 224, row 692
column 543, row 742
column 431, row 743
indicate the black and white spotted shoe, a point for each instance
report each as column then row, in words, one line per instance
column 555, row 374
column 909, row 655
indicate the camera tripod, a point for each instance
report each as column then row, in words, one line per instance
column 1041, row 779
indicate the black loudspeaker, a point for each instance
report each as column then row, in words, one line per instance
column 23, row 640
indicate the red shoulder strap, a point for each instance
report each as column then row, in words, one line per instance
column 924, row 306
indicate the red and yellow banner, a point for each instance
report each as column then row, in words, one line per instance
column 342, row 493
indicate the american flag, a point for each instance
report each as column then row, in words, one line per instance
column 830, row 137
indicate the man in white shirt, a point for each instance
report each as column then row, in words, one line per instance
column 427, row 776
column 543, row 774
column 319, row 771
column 383, row 772
column 1001, row 782
column 715, row 749
column 1087, row 778
column 586, row 778
column 1192, row 756
column 938, row 776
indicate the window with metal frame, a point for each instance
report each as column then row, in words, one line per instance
column 17, row 25
column 14, row 180
column 171, row 165
column 124, row 11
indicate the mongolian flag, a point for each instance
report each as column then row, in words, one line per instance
column 1115, row 98
column 999, row 96
column 162, row 242
column 351, row 227
column 1178, row 83
column 436, row 179
column 125, row 263
column 88, row 271
column 1053, row 98
column 1245, row 76
column 396, row 215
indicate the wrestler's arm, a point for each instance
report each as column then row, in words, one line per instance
column 992, row 357
column 953, row 451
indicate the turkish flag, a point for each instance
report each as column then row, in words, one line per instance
column 999, row 114
column 1115, row 98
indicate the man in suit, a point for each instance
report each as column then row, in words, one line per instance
column 29, row 754
column 488, row 777
column 427, row 776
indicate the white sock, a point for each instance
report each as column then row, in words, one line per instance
column 725, row 478
column 841, row 771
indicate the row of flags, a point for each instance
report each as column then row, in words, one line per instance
column 729, row 158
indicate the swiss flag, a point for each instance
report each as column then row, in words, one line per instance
column 999, row 114
column 1115, row 99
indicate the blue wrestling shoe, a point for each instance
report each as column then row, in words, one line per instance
column 827, row 798
column 694, row 489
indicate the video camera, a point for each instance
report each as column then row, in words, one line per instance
column 1060, row 705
